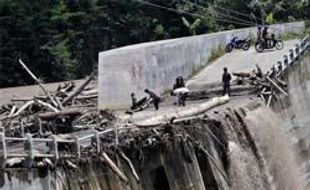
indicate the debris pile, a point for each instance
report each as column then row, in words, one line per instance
column 69, row 108
column 268, row 85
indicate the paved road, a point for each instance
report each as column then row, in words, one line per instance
column 237, row 60
column 240, row 60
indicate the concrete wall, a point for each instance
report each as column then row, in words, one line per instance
column 155, row 65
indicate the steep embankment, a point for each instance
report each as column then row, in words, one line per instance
column 295, row 110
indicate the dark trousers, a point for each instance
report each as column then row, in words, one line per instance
column 156, row 103
column 182, row 99
column 226, row 89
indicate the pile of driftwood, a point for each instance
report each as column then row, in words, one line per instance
column 268, row 85
column 68, row 108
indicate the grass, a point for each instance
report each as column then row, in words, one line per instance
column 216, row 53
column 295, row 35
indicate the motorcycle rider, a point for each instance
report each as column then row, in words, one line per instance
column 265, row 35
column 259, row 33
column 273, row 40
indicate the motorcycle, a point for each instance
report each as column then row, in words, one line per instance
column 238, row 44
column 269, row 43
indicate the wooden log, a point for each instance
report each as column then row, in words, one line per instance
column 87, row 97
column 276, row 85
column 49, row 106
column 21, row 99
column 79, row 89
column 25, row 106
column 190, row 111
column 13, row 161
column 12, row 111
column 133, row 170
column 52, row 115
column 89, row 92
column 59, row 103
column 38, row 81
column 242, row 74
column 209, row 155
column 269, row 100
column 71, row 165
column 114, row 167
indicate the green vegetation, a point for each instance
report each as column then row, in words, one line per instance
column 60, row 39
column 293, row 35
column 216, row 53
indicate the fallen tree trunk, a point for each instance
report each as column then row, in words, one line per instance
column 78, row 90
column 197, row 110
column 52, row 115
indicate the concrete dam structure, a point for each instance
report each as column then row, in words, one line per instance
column 155, row 65
column 214, row 143
column 223, row 149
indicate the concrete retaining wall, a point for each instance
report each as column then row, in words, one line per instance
column 155, row 65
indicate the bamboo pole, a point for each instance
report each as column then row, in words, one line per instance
column 277, row 86
column 52, row 108
column 114, row 167
column 25, row 106
column 133, row 170
column 38, row 81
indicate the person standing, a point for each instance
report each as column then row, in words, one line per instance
column 179, row 83
column 259, row 33
column 133, row 101
column 154, row 97
column 226, row 82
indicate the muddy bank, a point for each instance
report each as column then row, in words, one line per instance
column 229, row 149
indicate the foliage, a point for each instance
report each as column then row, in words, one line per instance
column 269, row 18
column 60, row 39
column 216, row 53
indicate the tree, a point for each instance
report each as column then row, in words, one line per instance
column 60, row 39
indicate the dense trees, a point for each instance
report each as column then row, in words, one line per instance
column 60, row 39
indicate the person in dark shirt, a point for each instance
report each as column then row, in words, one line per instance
column 265, row 33
column 179, row 83
column 265, row 36
column 226, row 82
column 154, row 97
column 134, row 101
column 259, row 33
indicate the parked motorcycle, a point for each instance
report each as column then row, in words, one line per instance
column 238, row 44
column 269, row 43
